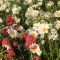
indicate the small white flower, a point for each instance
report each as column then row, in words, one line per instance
column 1, row 2
column 41, row 36
column 38, row 51
column 39, row 3
column 21, row 28
column 7, row 10
column 27, row 2
column 13, row 33
column 50, row 3
column 57, row 13
column 15, row 9
column 35, row 13
column 17, row 20
column 36, row 26
column 42, row 42
column 47, row 14
column 30, row 9
column 53, row 31
column 53, row 36
column 3, row 7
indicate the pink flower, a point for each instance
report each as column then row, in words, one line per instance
column 6, row 41
column 35, row 58
column 9, row 20
column 29, row 40
column 25, row 34
column 15, row 43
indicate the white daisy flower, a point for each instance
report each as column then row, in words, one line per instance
column 50, row 3
column 30, row 9
column 53, row 31
column 57, row 13
column 13, row 33
column 57, row 26
column 36, row 26
column 53, row 36
column 43, row 28
column 15, row 10
column 35, row 13
column 28, row 14
column 47, row 14
column 3, row 7
column 34, row 33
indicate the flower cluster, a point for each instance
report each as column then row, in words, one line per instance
column 29, row 29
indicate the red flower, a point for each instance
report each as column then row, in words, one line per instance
column 29, row 40
column 25, row 34
column 20, row 37
column 35, row 58
column 6, row 41
column 10, row 53
column 16, row 27
column 9, row 20
column 4, row 30
column 15, row 43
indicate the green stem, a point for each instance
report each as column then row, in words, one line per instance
column 21, row 52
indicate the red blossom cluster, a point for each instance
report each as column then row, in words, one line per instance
column 10, row 53
column 5, row 41
column 4, row 30
column 9, row 20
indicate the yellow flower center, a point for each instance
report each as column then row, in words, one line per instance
column 0, row 2
column 44, row 29
column 33, row 34
column 58, row 14
column 35, row 13
column 37, row 27
column 12, row 32
column 59, row 26
column 2, row 6
column 52, row 36
column 16, row 10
